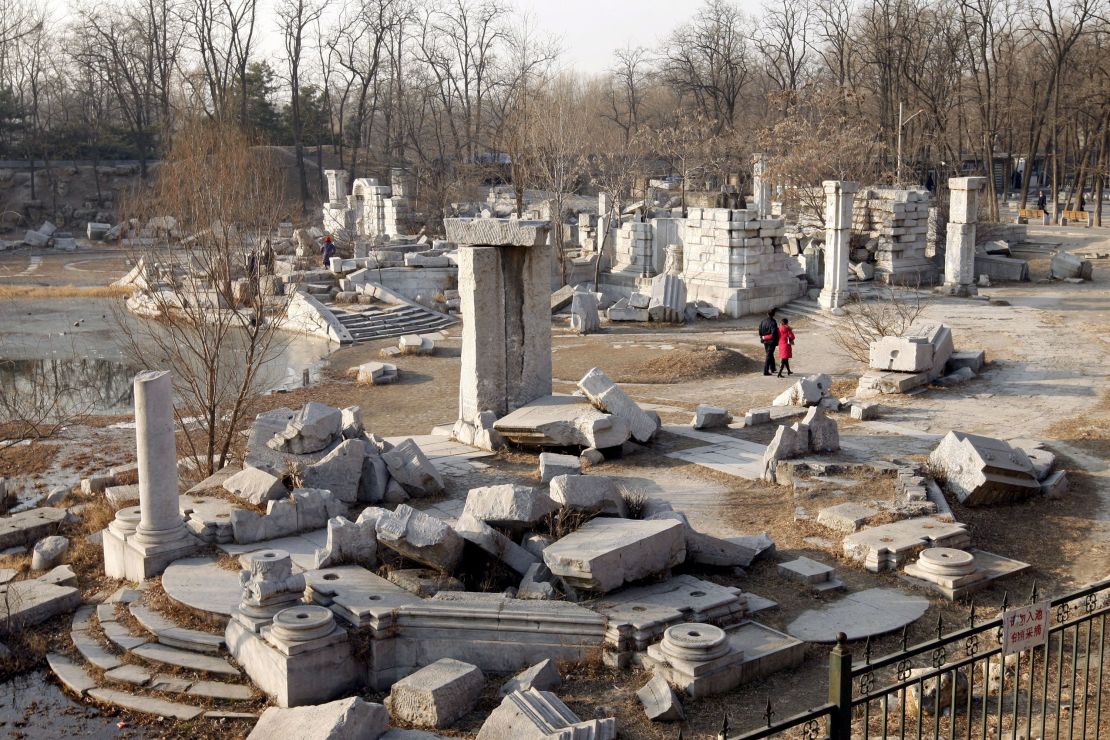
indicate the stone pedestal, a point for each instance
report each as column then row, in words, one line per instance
column 698, row 659
column 504, row 286
column 959, row 255
column 838, row 232
column 144, row 549
column 303, row 657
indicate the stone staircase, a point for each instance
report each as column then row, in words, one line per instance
column 368, row 323
column 804, row 308
column 133, row 657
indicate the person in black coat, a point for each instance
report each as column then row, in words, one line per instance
column 769, row 335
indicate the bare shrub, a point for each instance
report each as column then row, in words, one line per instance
column 636, row 501
column 866, row 321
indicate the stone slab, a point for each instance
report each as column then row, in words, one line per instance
column 887, row 546
column 185, row 659
column 145, row 704
column 437, row 695
column 875, row 611
column 28, row 527
column 201, row 584
column 606, row 553
column 346, row 719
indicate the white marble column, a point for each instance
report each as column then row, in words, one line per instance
column 959, row 250
column 160, row 516
column 761, row 187
column 838, row 233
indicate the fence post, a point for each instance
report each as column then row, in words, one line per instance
column 840, row 689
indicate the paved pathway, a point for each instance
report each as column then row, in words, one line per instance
column 724, row 454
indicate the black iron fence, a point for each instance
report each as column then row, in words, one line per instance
column 1035, row 670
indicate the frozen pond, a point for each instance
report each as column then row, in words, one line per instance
column 75, row 345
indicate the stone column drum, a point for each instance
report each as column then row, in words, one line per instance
column 838, row 233
column 959, row 254
column 156, row 447
column 505, row 290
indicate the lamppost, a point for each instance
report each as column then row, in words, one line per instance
column 901, row 123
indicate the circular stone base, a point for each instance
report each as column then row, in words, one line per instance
column 946, row 561
column 203, row 585
column 695, row 642
column 303, row 623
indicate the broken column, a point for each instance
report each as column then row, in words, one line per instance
column 838, row 232
column 160, row 536
column 959, row 256
column 269, row 586
column 337, row 187
column 504, row 284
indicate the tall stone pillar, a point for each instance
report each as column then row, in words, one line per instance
column 959, row 254
column 505, row 292
column 761, row 187
column 838, row 233
column 140, row 551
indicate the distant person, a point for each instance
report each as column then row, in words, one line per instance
column 786, row 347
column 769, row 335
column 267, row 260
column 252, row 265
column 1082, row 201
column 328, row 250
column 1042, row 201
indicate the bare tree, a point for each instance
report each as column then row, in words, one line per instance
column 627, row 80
column 869, row 320
column 784, row 41
column 295, row 17
column 709, row 60
column 214, row 331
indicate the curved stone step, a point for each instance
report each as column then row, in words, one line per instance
column 116, row 631
column 86, row 643
column 154, row 652
column 77, row 680
column 171, row 634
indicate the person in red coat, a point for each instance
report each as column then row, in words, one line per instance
column 786, row 347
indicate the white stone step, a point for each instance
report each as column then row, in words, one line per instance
column 78, row 680
column 73, row 677
column 87, row 643
column 156, row 653
column 170, row 634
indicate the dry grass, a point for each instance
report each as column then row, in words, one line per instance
column 633, row 363
column 64, row 291
column 27, row 460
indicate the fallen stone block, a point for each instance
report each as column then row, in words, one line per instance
column 901, row 354
column 786, row 444
column 847, row 517
column 608, row 396
column 311, row 429
column 543, row 676
column 863, row 411
column 35, row 239
column 424, row 582
column 351, row 422
column 512, row 506
column 981, row 470
column 1055, row 485
column 552, row 465
column 974, row 359
column 805, row 570
column 30, row 602
column 588, row 494
column 339, row 471
column 536, row 583
column 1066, row 266
column 705, row 549
column 353, row 718
column 255, row 486
column 711, row 417
column 420, row 537
column 606, row 553
column 823, row 433
column 96, row 483
column 416, row 344
column 27, row 527
column 887, row 546
column 889, row 383
column 438, row 695
column 376, row 373
column 478, row 533
column 806, row 392
column 660, row 702
column 48, row 552
column 374, row 480
column 540, row 715
column 757, row 416
column 962, row 375
column 410, row 467
column 622, row 311
column 120, row 496
column 561, row 298
column 562, row 421
column 349, row 543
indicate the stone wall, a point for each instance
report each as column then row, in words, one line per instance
column 898, row 221
column 632, row 249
